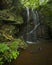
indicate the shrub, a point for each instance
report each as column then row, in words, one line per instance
column 9, row 51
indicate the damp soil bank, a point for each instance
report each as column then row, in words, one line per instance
column 35, row 54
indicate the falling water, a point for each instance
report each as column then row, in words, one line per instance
column 32, row 36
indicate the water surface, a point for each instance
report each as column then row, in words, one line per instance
column 35, row 54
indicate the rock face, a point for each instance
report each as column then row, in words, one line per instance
column 10, row 18
column 5, row 4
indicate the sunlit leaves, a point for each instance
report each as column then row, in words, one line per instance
column 33, row 3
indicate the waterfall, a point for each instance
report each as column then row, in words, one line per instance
column 27, row 13
column 32, row 36
column 35, row 20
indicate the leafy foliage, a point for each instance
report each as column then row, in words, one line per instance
column 9, row 51
column 7, row 54
column 46, row 12
column 33, row 3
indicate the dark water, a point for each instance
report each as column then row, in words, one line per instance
column 35, row 54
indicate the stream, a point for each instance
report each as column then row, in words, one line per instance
column 35, row 54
